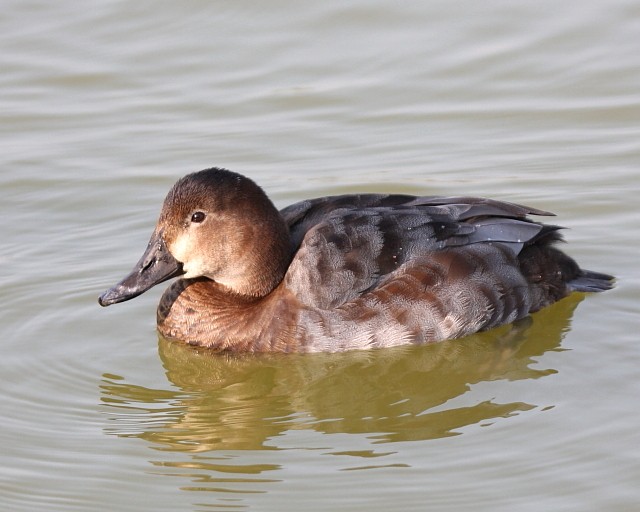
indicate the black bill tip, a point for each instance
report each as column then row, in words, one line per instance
column 118, row 293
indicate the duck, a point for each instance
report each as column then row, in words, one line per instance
column 344, row 272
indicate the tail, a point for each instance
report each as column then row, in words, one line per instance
column 588, row 281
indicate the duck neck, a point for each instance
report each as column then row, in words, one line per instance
column 258, row 264
column 203, row 313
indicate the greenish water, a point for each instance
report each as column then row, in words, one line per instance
column 103, row 108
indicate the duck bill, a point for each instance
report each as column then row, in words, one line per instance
column 156, row 266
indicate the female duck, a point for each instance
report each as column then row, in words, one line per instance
column 343, row 272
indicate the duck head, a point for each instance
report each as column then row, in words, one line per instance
column 215, row 224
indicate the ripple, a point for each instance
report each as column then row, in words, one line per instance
column 103, row 108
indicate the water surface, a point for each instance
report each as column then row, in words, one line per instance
column 103, row 108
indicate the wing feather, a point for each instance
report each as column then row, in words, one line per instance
column 345, row 245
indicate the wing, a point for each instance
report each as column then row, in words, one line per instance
column 345, row 245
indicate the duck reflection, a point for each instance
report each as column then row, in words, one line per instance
column 245, row 402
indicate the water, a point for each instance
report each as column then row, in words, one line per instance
column 103, row 108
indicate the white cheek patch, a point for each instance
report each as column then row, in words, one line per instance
column 189, row 271
column 181, row 250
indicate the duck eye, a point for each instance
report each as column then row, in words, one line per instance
column 198, row 217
